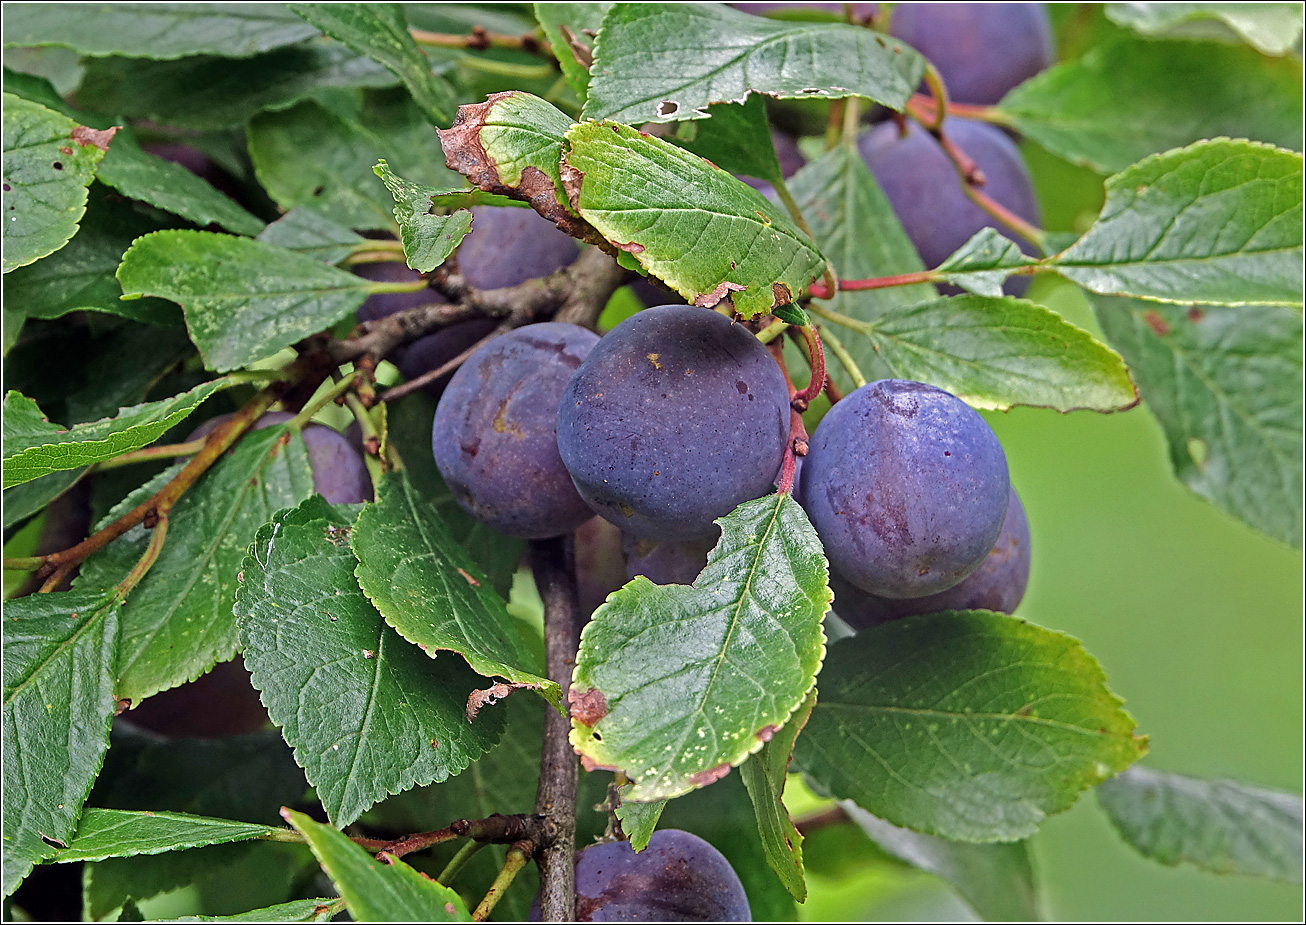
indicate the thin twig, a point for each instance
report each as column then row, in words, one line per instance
column 165, row 451
column 518, row 855
column 478, row 39
column 459, row 861
column 552, row 562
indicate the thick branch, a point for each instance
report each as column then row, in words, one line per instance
column 555, row 577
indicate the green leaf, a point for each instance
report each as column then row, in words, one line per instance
column 1223, row 826
column 235, row 777
column 1272, row 28
column 178, row 622
column 662, row 62
column 34, row 451
column 983, row 263
column 298, row 910
column 171, row 187
column 1226, row 386
column 428, row 239
column 994, row 354
column 244, row 300
column 1218, row 222
column 764, row 777
column 213, row 93
column 512, row 145
column 48, row 162
column 313, row 155
column 58, row 688
column 309, row 232
column 639, row 820
column 736, row 138
column 377, row 892
column 156, row 30
column 22, row 501
column 996, row 880
column 431, row 591
column 310, row 634
column 858, row 231
column 565, row 26
column 674, row 685
column 80, row 275
column 1130, row 98
column 117, row 833
column 380, row 31
column 969, row 725
column 267, row 872
column 649, row 198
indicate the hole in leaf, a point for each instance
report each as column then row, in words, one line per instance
column 58, row 165
column 668, row 108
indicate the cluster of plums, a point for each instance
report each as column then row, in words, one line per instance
column 678, row 415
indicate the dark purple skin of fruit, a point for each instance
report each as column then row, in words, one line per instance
column 926, row 195
column 981, row 50
column 678, row 878
column 339, row 474
column 222, row 702
column 907, row 488
column 673, row 420
column 495, row 431
column 600, row 565
column 666, row 563
column 998, row 584
column 508, row 246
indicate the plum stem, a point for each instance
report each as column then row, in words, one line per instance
column 459, row 861
column 816, row 357
column 553, row 564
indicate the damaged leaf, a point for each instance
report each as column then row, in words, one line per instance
column 674, row 685
column 684, row 220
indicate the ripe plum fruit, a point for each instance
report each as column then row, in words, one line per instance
column 494, row 435
column 981, row 50
column 673, row 420
column 339, row 474
column 600, row 565
column 907, row 488
column 678, row 878
column 998, row 584
column 924, row 190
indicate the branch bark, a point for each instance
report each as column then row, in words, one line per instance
column 555, row 577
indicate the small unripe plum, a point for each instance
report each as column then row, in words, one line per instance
column 339, row 474
column 981, row 50
column 508, row 245
column 679, row 877
column 923, row 188
column 674, row 419
column 920, row 183
column 907, row 488
column 998, row 584
column 666, row 563
column 495, row 432
column 600, row 565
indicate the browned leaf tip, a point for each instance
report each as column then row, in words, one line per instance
column 781, row 294
column 491, row 695
column 713, row 298
column 766, row 732
column 85, row 135
column 587, row 707
column 589, row 764
column 710, row 776
column 463, row 150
